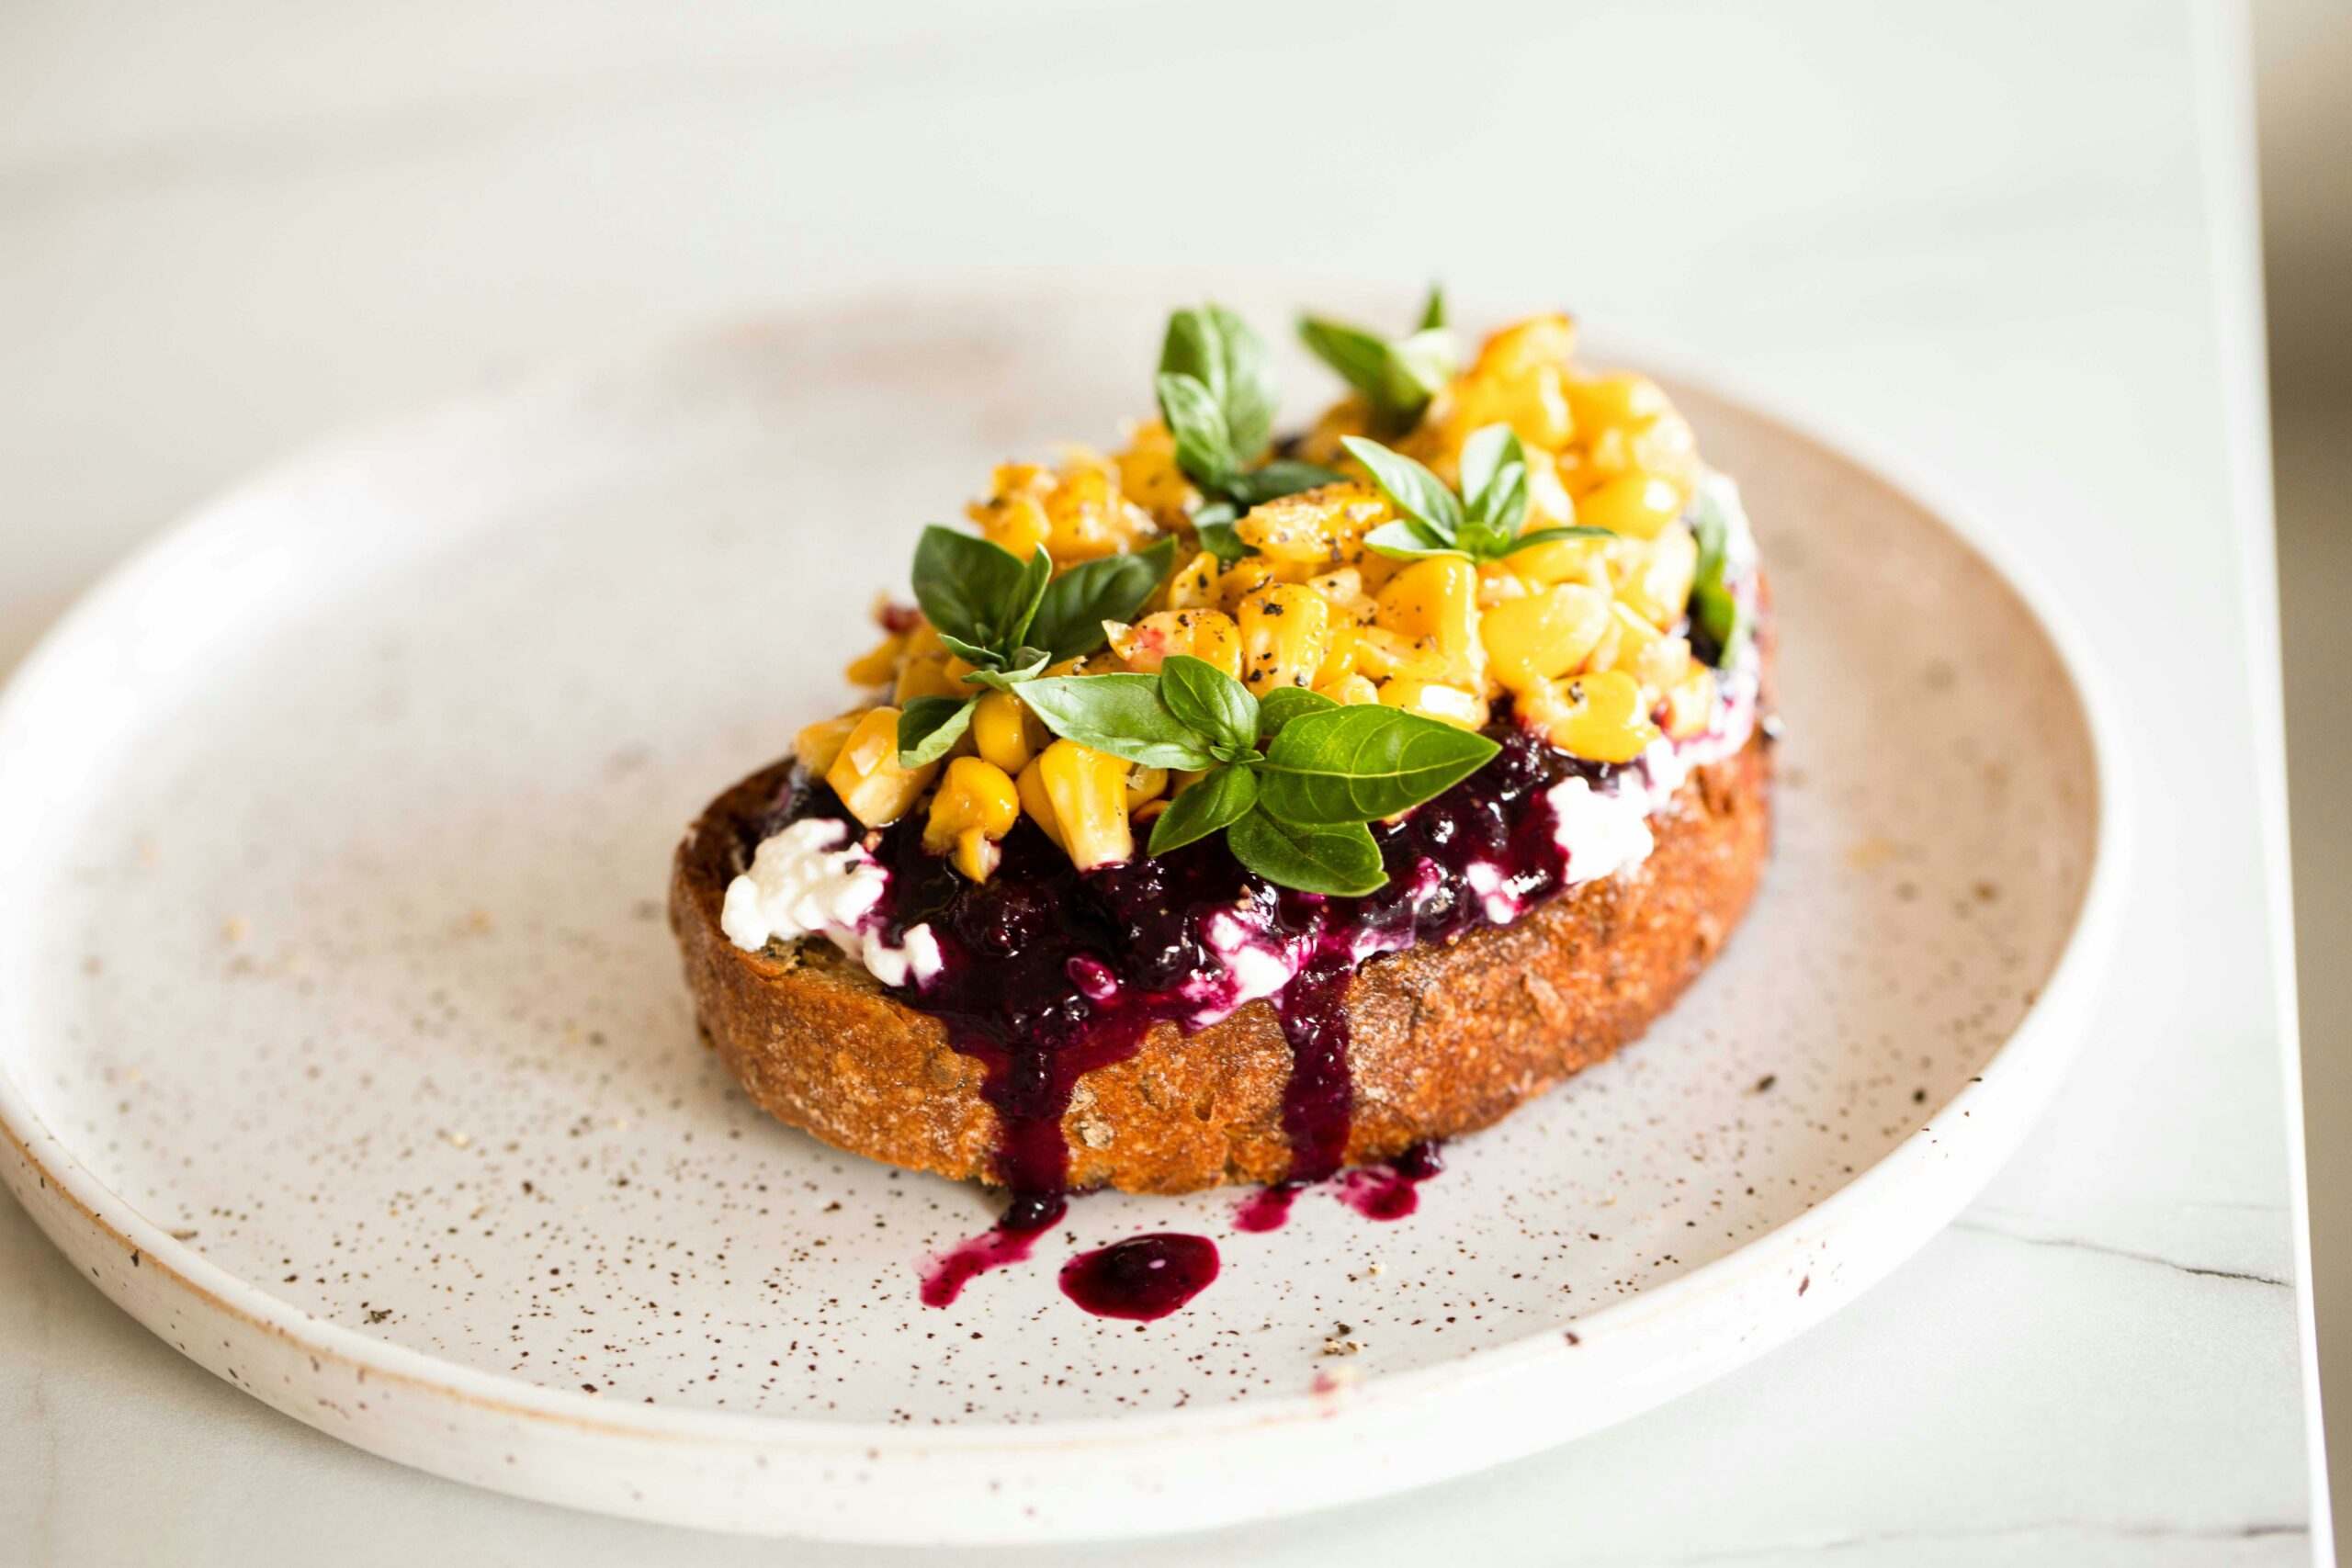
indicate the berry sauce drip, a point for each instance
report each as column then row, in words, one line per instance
column 1142, row 1279
column 1048, row 972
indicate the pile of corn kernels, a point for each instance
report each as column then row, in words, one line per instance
column 1578, row 635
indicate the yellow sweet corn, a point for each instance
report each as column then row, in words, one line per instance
column 867, row 775
column 1194, row 585
column 1691, row 704
column 1595, row 717
column 1432, row 699
column 1350, row 691
column 1005, row 732
column 1149, row 475
column 927, row 677
column 881, row 664
column 1209, row 635
column 1638, row 649
column 818, row 744
column 1321, row 527
column 1286, row 631
column 1535, row 639
column 976, row 805
column 1436, row 602
column 1088, row 790
column 1636, row 504
column 1656, row 583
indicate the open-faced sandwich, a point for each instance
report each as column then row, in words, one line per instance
column 1235, row 808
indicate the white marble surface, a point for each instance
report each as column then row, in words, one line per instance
column 2008, row 246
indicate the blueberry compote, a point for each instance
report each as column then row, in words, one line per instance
column 1144, row 1278
column 1048, row 972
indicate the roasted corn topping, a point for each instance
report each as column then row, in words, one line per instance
column 1449, row 546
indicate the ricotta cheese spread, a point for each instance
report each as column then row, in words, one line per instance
column 812, row 878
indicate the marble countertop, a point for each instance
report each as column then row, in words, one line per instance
column 2009, row 250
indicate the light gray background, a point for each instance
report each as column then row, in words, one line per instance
column 2012, row 246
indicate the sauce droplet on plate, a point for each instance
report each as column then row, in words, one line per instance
column 1142, row 1279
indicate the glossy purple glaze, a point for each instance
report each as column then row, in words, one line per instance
column 1141, row 1278
column 1049, row 973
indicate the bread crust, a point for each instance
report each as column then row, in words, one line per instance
column 1444, row 1039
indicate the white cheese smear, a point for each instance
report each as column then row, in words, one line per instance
column 812, row 878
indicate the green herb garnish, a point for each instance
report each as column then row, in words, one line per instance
column 1010, row 618
column 1715, row 609
column 1216, row 392
column 1291, row 780
column 1397, row 377
column 1481, row 524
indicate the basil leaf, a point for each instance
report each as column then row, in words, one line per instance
column 1026, row 665
column 966, row 585
column 1037, row 576
column 1215, row 348
column 1216, row 533
column 1248, row 396
column 1433, row 314
column 1528, row 541
column 1490, row 450
column 1352, row 764
column 1070, row 618
column 1203, row 807
column 929, row 726
column 1417, row 492
column 1283, row 703
column 1240, row 756
column 1341, row 860
column 1203, row 441
column 1360, row 357
column 1715, row 609
column 1398, row 378
column 1209, row 699
column 970, row 652
column 1280, row 478
column 1407, row 540
column 1119, row 714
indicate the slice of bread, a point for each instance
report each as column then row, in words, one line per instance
column 1445, row 1039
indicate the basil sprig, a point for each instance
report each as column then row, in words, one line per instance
column 1216, row 392
column 1715, row 609
column 1290, row 780
column 1481, row 524
column 1397, row 377
column 1010, row 618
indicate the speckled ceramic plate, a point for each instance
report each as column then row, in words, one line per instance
column 341, row 1040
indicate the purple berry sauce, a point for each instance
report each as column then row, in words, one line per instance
column 1048, row 972
column 1142, row 1279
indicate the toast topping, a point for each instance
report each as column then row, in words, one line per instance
column 1214, row 720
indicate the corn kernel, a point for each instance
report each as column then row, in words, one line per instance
column 1194, row 585
column 1149, row 475
column 1317, row 527
column 1242, row 579
column 873, row 668
column 1543, row 636
column 1088, row 789
column 1657, row 583
column 1637, row 505
column 1343, row 590
column 866, row 774
column 976, row 854
column 1431, row 699
column 1076, row 510
column 1638, row 649
column 1005, row 732
column 1436, row 601
column 1599, row 717
column 1350, row 691
column 1036, row 803
column 1285, row 632
column 818, row 744
column 1209, row 635
column 974, row 796
column 1616, row 399
column 926, row 678
column 1691, row 704
column 1144, row 786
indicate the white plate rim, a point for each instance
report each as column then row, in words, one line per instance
column 2018, row 1078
